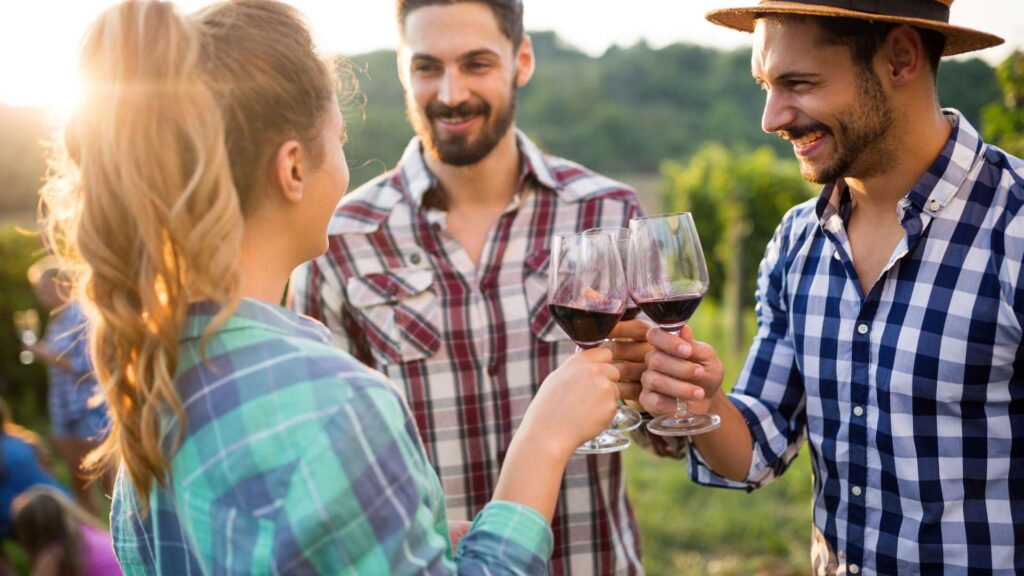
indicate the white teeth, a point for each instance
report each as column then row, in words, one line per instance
column 808, row 139
column 458, row 120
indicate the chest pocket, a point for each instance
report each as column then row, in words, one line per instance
column 399, row 313
column 535, row 286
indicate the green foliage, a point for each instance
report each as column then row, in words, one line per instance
column 1004, row 121
column 737, row 200
column 23, row 387
column 968, row 86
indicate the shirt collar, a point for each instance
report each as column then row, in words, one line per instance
column 252, row 314
column 417, row 179
column 935, row 188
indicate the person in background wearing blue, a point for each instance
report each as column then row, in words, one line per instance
column 77, row 414
column 23, row 464
column 890, row 309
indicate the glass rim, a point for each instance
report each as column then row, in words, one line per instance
column 658, row 216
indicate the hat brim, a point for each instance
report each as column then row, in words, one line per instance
column 958, row 40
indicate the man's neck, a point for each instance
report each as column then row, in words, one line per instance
column 922, row 138
column 489, row 184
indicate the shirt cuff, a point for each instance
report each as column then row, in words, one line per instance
column 516, row 524
column 769, row 445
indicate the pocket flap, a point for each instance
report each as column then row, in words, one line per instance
column 387, row 287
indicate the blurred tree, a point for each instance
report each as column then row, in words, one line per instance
column 737, row 200
column 1003, row 122
column 23, row 387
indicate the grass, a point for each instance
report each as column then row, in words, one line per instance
column 691, row 529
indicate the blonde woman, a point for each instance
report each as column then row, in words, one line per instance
column 205, row 161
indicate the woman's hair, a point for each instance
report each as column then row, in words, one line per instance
column 44, row 517
column 171, row 145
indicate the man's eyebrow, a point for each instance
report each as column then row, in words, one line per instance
column 476, row 54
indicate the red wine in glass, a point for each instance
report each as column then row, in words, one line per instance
column 588, row 328
column 673, row 312
column 631, row 313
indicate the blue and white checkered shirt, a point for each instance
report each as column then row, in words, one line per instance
column 912, row 395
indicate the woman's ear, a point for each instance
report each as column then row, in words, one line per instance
column 290, row 170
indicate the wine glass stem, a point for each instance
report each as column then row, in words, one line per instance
column 682, row 411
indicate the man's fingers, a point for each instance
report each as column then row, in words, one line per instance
column 633, row 329
column 629, row 390
column 630, row 371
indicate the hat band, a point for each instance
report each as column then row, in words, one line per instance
column 903, row 8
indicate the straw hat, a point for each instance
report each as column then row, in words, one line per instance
column 930, row 14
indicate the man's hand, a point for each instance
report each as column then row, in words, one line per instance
column 679, row 367
column 628, row 343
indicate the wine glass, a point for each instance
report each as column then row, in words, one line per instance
column 626, row 417
column 667, row 278
column 587, row 296
column 26, row 323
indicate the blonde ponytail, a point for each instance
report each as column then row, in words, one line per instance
column 149, row 196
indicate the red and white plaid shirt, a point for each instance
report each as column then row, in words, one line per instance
column 470, row 345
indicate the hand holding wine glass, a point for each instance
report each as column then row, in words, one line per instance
column 667, row 277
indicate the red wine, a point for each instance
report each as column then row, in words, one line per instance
column 630, row 313
column 671, row 313
column 587, row 327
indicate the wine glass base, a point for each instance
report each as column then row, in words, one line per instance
column 688, row 425
column 626, row 420
column 604, row 443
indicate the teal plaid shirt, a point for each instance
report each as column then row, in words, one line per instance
column 298, row 460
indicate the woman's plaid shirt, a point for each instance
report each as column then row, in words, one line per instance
column 470, row 344
column 296, row 459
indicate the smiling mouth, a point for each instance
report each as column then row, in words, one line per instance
column 456, row 120
column 807, row 139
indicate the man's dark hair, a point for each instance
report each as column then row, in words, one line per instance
column 509, row 14
column 865, row 38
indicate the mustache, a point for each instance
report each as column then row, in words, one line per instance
column 796, row 132
column 440, row 110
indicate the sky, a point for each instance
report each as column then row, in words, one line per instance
column 39, row 38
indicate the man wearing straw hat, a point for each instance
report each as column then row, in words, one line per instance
column 890, row 309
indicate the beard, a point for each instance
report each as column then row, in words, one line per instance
column 461, row 149
column 864, row 137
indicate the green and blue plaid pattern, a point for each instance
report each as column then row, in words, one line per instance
column 296, row 459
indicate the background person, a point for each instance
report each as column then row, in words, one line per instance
column 436, row 272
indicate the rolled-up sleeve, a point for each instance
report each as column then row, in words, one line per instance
column 770, row 391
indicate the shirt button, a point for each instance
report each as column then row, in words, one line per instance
column 856, row 491
column 862, row 329
column 934, row 206
column 858, row 411
column 415, row 258
column 854, row 569
column 836, row 255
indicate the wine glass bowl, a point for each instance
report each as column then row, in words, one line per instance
column 668, row 277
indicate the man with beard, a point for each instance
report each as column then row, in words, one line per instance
column 437, row 271
column 890, row 309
